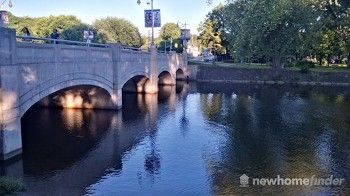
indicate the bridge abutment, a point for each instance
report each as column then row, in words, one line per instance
column 10, row 122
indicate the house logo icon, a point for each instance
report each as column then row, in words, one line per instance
column 244, row 180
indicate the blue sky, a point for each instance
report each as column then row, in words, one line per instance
column 189, row 11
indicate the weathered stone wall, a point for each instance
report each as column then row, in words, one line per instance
column 251, row 75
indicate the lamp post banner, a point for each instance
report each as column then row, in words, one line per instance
column 148, row 18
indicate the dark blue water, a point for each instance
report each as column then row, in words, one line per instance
column 191, row 140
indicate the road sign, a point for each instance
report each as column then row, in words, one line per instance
column 148, row 18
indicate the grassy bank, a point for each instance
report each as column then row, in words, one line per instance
column 234, row 65
column 10, row 186
column 265, row 66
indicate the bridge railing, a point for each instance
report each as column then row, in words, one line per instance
column 26, row 39
column 58, row 41
column 134, row 49
column 163, row 52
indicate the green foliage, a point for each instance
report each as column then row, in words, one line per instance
column 333, row 36
column 210, row 39
column 75, row 32
column 177, row 45
column 275, row 30
column 146, row 42
column 112, row 29
column 43, row 26
column 212, row 32
column 170, row 30
column 271, row 28
column 108, row 30
column 10, row 186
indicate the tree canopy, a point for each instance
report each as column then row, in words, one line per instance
column 170, row 37
column 170, row 30
column 280, row 31
column 211, row 31
column 106, row 30
column 112, row 29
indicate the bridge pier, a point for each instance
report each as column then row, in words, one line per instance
column 117, row 98
column 151, row 85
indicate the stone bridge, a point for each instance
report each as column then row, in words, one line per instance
column 31, row 72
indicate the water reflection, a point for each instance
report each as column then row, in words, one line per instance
column 189, row 140
column 279, row 131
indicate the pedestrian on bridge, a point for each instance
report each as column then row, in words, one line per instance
column 26, row 35
column 55, row 35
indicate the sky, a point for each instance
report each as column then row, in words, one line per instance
column 191, row 12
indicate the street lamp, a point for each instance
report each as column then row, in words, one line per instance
column 152, row 10
column 9, row 3
column 4, row 19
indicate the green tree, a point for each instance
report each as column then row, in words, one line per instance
column 271, row 29
column 76, row 33
column 209, row 38
column 112, row 29
column 70, row 26
column 334, row 29
column 170, row 33
column 170, row 30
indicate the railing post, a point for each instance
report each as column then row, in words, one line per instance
column 10, row 125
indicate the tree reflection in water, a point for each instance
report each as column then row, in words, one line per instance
column 278, row 131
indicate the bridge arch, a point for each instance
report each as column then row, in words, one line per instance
column 166, row 78
column 180, row 74
column 35, row 95
column 136, row 84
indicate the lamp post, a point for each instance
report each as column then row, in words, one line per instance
column 4, row 19
column 152, row 10
column 3, row 3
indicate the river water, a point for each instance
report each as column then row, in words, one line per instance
column 192, row 139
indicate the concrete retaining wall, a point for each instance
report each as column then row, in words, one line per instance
column 271, row 76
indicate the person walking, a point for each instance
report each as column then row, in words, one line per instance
column 55, row 35
column 26, row 35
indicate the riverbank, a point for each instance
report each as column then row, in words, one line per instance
column 207, row 72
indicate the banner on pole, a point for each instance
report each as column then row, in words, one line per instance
column 148, row 18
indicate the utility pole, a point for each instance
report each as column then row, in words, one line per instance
column 152, row 22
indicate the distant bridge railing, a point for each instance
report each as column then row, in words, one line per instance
column 58, row 41
column 39, row 40
column 135, row 49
